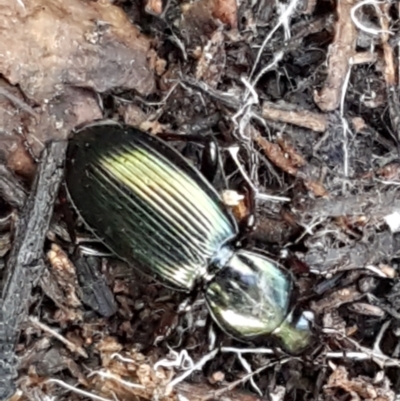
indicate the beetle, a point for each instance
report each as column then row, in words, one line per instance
column 158, row 213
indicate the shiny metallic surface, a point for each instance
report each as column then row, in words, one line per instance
column 294, row 332
column 146, row 203
column 249, row 297
column 151, row 208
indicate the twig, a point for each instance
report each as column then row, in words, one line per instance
column 77, row 390
column 181, row 360
column 196, row 366
column 18, row 102
column 341, row 50
column 234, row 152
column 70, row 345
column 262, row 350
column 115, row 355
column 10, row 188
column 231, row 386
column 317, row 122
column 246, row 366
column 288, row 161
column 378, row 357
column 104, row 374
column 345, row 124
column 201, row 391
column 357, row 356
column 376, row 270
column 25, row 263
column 378, row 340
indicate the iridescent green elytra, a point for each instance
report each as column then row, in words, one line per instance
column 157, row 212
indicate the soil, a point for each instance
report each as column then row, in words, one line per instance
column 302, row 99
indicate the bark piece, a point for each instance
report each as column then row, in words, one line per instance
column 303, row 118
column 11, row 189
column 93, row 287
column 74, row 43
column 212, row 60
column 26, row 260
column 341, row 51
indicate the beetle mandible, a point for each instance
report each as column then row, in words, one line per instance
column 158, row 213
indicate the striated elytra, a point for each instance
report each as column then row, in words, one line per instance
column 158, row 213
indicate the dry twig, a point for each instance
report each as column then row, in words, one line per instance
column 340, row 53
column 303, row 118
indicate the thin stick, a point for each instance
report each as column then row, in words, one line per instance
column 70, row 345
column 77, row 390
column 18, row 102
column 25, row 263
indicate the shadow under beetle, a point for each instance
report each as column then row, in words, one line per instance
column 155, row 211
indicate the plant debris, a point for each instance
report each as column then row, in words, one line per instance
column 302, row 99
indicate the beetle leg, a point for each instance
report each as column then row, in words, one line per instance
column 67, row 212
column 92, row 248
column 210, row 158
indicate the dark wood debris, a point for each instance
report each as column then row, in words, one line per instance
column 25, row 263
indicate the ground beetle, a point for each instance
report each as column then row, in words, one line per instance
column 158, row 213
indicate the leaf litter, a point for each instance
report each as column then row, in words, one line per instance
column 303, row 100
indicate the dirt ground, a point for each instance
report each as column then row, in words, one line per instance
column 302, row 98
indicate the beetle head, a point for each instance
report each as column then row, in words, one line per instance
column 250, row 298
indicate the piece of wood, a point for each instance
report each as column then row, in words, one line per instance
column 26, row 263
